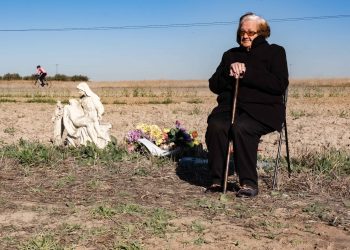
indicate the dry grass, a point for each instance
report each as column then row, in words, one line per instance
column 80, row 199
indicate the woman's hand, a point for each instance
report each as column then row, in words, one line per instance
column 237, row 69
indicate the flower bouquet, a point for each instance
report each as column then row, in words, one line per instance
column 159, row 141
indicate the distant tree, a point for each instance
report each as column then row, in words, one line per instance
column 31, row 78
column 59, row 77
column 80, row 78
column 11, row 76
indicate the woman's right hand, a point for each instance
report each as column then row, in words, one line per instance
column 237, row 69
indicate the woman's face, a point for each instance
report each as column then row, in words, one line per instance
column 248, row 32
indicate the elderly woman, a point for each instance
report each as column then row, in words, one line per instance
column 262, row 69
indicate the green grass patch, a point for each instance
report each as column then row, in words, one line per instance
column 42, row 100
column 7, row 100
column 330, row 162
column 30, row 154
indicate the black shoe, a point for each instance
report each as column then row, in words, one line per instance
column 247, row 192
column 214, row 188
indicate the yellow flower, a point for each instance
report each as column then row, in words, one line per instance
column 159, row 142
column 196, row 142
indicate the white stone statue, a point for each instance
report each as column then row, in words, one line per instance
column 57, row 121
column 81, row 120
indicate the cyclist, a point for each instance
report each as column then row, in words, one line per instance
column 41, row 73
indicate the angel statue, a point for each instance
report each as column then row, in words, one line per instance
column 81, row 120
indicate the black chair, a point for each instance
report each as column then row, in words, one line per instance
column 282, row 133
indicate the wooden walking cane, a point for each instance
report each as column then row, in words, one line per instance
column 230, row 141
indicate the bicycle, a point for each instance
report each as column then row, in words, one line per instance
column 46, row 83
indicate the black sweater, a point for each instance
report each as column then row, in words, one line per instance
column 263, row 86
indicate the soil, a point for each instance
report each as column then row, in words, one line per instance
column 152, row 203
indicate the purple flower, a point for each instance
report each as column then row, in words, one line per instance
column 187, row 137
column 133, row 135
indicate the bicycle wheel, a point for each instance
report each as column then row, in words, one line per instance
column 37, row 83
column 47, row 84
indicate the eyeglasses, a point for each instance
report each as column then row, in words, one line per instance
column 249, row 33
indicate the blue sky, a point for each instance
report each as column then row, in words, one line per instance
column 315, row 48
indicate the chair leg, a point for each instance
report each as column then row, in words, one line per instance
column 287, row 149
column 277, row 162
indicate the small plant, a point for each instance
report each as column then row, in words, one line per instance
column 7, row 100
column 195, row 111
column 130, row 209
column 93, row 184
column 133, row 245
column 197, row 227
column 10, row 130
column 343, row 114
column 125, row 93
column 330, row 162
column 40, row 100
column 66, row 180
column 167, row 101
column 158, row 222
column 195, row 101
column 141, row 171
column 119, row 102
column 296, row 114
column 42, row 242
column 199, row 241
column 104, row 211
column 70, row 228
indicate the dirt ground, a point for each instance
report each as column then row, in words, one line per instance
column 62, row 206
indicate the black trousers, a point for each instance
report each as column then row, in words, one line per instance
column 42, row 77
column 245, row 133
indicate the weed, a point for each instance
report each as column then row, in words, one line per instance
column 197, row 227
column 141, row 171
column 10, row 130
column 313, row 92
column 136, row 92
column 337, row 92
column 294, row 93
column 343, row 114
column 104, row 211
column 296, row 114
column 166, row 101
column 119, row 102
column 317, row 210
column 130, row 209
column 195, row 101
column 7, row 100
column 70, row 228
column 161, row 162
column 133, row 245
column 125, row 93
column 169, row 92
column 195, row 111
column 42, row 242
column 31, row 154
column 199, row 241
column 214, row 207
column 93, row 184
column 330, row 162
column 40, row 100
column 66, row 180
column 158, row 222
